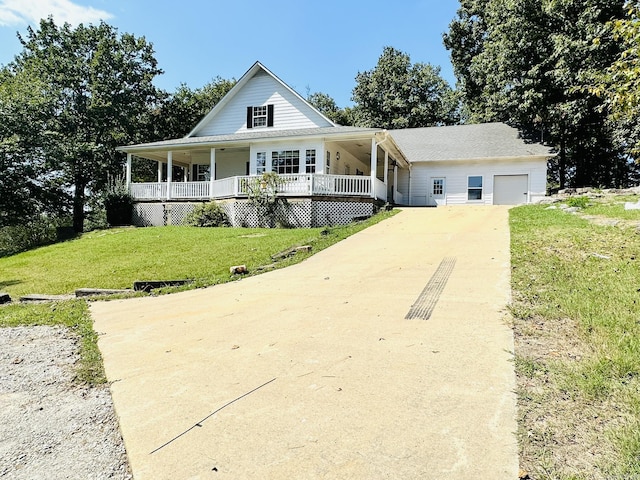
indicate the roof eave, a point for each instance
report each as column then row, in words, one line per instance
column 484, row 159
column 192, row 143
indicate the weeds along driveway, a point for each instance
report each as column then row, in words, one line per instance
column 331, row 379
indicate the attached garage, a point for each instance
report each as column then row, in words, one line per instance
column 510, row 189
column 486, row 164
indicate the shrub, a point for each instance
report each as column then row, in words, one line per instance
column 31, row 234
column 580, row 202
column 207, row 215
column 118, row 202
column 262, row 193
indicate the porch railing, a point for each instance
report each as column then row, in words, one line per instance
column 189, row 190
column 292, row 185
column 148, row 191
column 380, row 190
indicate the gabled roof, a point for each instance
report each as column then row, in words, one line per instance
column 255, row 68
column 465, row 142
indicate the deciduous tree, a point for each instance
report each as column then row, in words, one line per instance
column 328, row 107
column 399, row 94
column 100, row 86
column 518, row 62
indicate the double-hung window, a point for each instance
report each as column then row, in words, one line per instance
column 474, row 187
column 261, row 162
column 285, row 161
column 310, row 161
column 203, row 173
column 260, row 116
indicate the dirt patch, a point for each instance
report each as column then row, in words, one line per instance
column 559, row 435
column 51, row 427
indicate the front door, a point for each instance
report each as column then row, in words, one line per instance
column 437, row 192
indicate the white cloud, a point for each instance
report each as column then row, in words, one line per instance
column 19, row 12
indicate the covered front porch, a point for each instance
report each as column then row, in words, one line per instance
column 348, row 168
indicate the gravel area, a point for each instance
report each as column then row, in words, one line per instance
column 51, row 427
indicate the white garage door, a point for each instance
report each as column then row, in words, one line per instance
column 510, row 189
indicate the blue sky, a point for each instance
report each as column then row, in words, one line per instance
column 312, row 46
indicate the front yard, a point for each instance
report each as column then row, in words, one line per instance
column 576, row 307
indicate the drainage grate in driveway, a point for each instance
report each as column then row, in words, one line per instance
column 426, row 302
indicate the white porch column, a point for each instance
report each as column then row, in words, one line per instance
column 386, row 167
column 212, row 171
column 159, row 172
column 395, row 182
column 374, row 166
column 169, row 173
column 185, row 173
column 128, row 174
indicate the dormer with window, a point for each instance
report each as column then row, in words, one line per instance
column 258, row 117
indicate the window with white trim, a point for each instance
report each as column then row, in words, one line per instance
column 285, row 161
column 202, row 173
column 310, row 161
column 328, row 162
column 260, row 116
column 261, row 162
column 438, row 186
column 474, row 187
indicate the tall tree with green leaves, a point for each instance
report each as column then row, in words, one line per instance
column 328, row 107
column 183, row 109
column 26, row 191
column 399, row 94
column 518, row 62
column 619, row 83
column 100, row 84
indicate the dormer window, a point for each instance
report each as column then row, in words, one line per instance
column 261, row 116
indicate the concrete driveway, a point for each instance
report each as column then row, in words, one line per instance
column 329, row 377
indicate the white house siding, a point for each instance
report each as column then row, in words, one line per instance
column 456, row 174
column 403, row 184
column 229, row 162
column 290, row 112
column 347, row 163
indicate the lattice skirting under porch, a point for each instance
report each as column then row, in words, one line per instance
column 241, row 213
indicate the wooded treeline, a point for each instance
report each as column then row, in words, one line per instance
column 565, row 72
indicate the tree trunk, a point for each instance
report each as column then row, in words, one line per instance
column 78, row 206
column 562, row 160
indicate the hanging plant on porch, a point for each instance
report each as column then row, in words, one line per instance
column 118, row 202
column 262, row 193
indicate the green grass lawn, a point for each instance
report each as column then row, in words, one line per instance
column 117, row 257
column 576, row 302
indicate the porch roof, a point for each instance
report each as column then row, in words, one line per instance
column 333, row 133
column 157, row 150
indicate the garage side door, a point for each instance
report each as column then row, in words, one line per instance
column 510, row 189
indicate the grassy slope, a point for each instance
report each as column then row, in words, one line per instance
column 576, row 290
column 115, row 258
